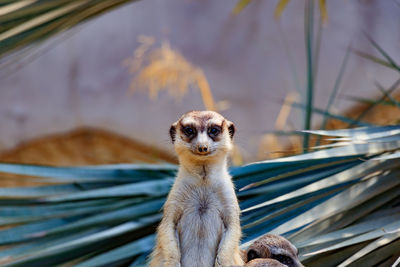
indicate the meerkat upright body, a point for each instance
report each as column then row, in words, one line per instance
column 200, row 226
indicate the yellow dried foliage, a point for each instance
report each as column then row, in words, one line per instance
column 280, row 7
column 272, row 146
column 162, row 68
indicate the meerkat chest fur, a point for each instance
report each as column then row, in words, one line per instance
column 206, row 198
column 210, row 190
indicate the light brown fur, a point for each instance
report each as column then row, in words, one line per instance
column 271, row 250
column 200, row 226
column 264, row 263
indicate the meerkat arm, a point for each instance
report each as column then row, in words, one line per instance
column 228, row 251
column 167, row 239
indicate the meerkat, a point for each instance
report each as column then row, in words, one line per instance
column 200, row 224
column 270, row 251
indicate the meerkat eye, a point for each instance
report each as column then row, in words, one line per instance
column 188, row 131
column 213, row 130
column 283, row 259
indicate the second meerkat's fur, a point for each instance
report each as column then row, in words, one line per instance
column 200, row 225
column 265, row 263
column 271, row 250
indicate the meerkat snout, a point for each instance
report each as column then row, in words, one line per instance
column 202, row 148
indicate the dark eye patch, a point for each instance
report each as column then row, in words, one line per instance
column 214, row 130
column 189, row 130
column 252, row 254
column 283, row 259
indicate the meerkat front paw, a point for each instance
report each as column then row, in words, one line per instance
column 229, row 257
column 221, row 261
column 231, row 261
column 217, row 262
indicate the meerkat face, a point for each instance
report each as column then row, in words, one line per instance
column 273, row 247
column 202, row 135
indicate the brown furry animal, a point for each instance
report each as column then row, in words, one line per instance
column 200, row 226
column 271, row 250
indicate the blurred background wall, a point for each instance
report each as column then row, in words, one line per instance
column 82, row 80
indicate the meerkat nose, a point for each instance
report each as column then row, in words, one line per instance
column 202, row 148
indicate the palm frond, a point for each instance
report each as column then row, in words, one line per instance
column 335, row 89
column 341, row 203
column 26, row 22
column 309, row 38
column 369, row 101
column 388, row 61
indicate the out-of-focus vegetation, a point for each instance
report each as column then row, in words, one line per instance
column 27, row 22
column 280, row 7
column 166, row 69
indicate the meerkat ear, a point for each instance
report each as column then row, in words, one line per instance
column 172, row 132
column 231, row 129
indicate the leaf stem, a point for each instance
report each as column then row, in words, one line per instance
column 308, row 29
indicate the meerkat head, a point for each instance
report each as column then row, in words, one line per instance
column 202, row 135
column 274, row 247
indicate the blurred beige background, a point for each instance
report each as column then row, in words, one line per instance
column 82, row 81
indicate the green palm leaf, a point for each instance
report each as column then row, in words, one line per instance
column 27, row 22
column 330, row 202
